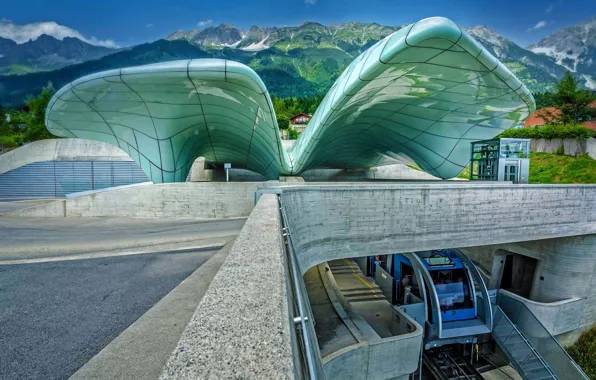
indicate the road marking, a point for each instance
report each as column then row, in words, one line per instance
column 361, row 279
column 96, row 255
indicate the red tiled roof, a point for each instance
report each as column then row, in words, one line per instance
column 539, row 117
column 543, row 115
column 590, row 125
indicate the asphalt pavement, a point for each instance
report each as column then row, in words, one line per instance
column 55, row 316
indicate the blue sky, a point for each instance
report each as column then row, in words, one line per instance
column 129, row 22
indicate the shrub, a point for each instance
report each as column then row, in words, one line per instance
column 584, row 352
column 549, row 132
column 10, row 141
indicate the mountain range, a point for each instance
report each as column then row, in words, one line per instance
column 292, row 61
column 46, row 53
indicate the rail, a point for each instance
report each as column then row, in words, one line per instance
column 540, row 338
column 308, row 359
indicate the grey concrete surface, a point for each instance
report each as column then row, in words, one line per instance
column 241, row 328
column 336, row 222
column 207, row 200
column 35, row 238
column 332, row 332
column 56, row 316
column 11, row 206
column 61, row 150
column 142, row 350
column 562, row 293
column 570, row 147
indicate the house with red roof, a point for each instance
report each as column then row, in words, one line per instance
column 545, row 115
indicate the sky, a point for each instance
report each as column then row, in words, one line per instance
column 118, row 23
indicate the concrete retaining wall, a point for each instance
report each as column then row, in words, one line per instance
column 557, row 317
column 240, row 329
column 189, row 199
column 61, row 150
column 562, row 293
column 388, row 172
column 569, row 147
column 330, row 223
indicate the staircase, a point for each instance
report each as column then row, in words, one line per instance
column 354, row 285
column 528, row 345
column 527, row 361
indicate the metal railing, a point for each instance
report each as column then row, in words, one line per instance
column 521, row 353
column 557, row 358
column 308, row 362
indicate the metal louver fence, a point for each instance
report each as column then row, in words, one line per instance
column 55, row 179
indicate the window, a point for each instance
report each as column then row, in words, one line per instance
column 453, row 289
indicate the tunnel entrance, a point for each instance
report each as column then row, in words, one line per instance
column 518, row 274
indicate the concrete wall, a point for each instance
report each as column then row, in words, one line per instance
column 240, row 329
column 563, row 294
column 569, row 147
column 329, row 223
column 389, row 358
column 187, row 199
column 61, row 150
column 557, row 317
column 372, row 357
column 388, row 172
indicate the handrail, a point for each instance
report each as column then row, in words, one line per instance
column 530, row 317
column 488, row 312
column 528, row 345
column 304, row 320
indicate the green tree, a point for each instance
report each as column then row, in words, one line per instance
column 32, row 117
column 574, row 103
column 293, row 134
column 283, row 121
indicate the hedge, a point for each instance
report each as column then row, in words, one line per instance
column 10, row 141
column 549, row 132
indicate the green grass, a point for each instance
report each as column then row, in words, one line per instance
column 553, row 168
column 16, row 69
column 584, row 352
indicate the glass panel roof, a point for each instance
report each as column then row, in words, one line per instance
column 418, row 96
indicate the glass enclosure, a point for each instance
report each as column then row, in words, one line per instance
column 500, row 160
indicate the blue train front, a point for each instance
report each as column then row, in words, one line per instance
column 442, row 290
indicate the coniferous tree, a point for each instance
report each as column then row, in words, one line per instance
column 574, row 103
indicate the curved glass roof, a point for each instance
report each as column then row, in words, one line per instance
column 419, row 96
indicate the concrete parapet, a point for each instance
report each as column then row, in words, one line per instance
column 241, row 327
column 61, row 150
column 372, row 357
column 330, row 223
column 388, row 358
column 557, row 317
column 209, row 200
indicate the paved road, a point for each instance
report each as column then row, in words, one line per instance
column 42, row 237
column 55, row 316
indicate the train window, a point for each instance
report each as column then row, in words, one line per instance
column 439, row 261
column 453, row 289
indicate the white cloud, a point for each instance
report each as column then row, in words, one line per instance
column 550, row 8
column 23, row 33
column 310, row 2
column 539, row 24
column 149, row 26
column 204, row 23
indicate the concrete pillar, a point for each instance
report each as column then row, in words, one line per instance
column 198, row 172
column 291, row 179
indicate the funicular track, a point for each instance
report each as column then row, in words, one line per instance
column 448, row 364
